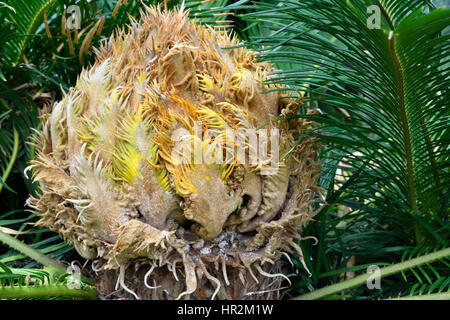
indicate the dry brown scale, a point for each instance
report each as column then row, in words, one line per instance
column 156, row 228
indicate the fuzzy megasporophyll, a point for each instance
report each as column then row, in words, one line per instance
column 160, row 229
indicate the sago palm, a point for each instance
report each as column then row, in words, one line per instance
column 378, row 72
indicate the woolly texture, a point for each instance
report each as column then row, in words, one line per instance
column 110, row 184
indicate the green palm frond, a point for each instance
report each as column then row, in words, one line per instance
column 428, row 278
column 9, row 153
column 26, row 17
column 52, row 281
column 384, row 97
column 42, row 283
column 361, row 280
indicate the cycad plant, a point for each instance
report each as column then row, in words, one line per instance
column 378, row 72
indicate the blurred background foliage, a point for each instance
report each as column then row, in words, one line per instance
column 384, row 124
